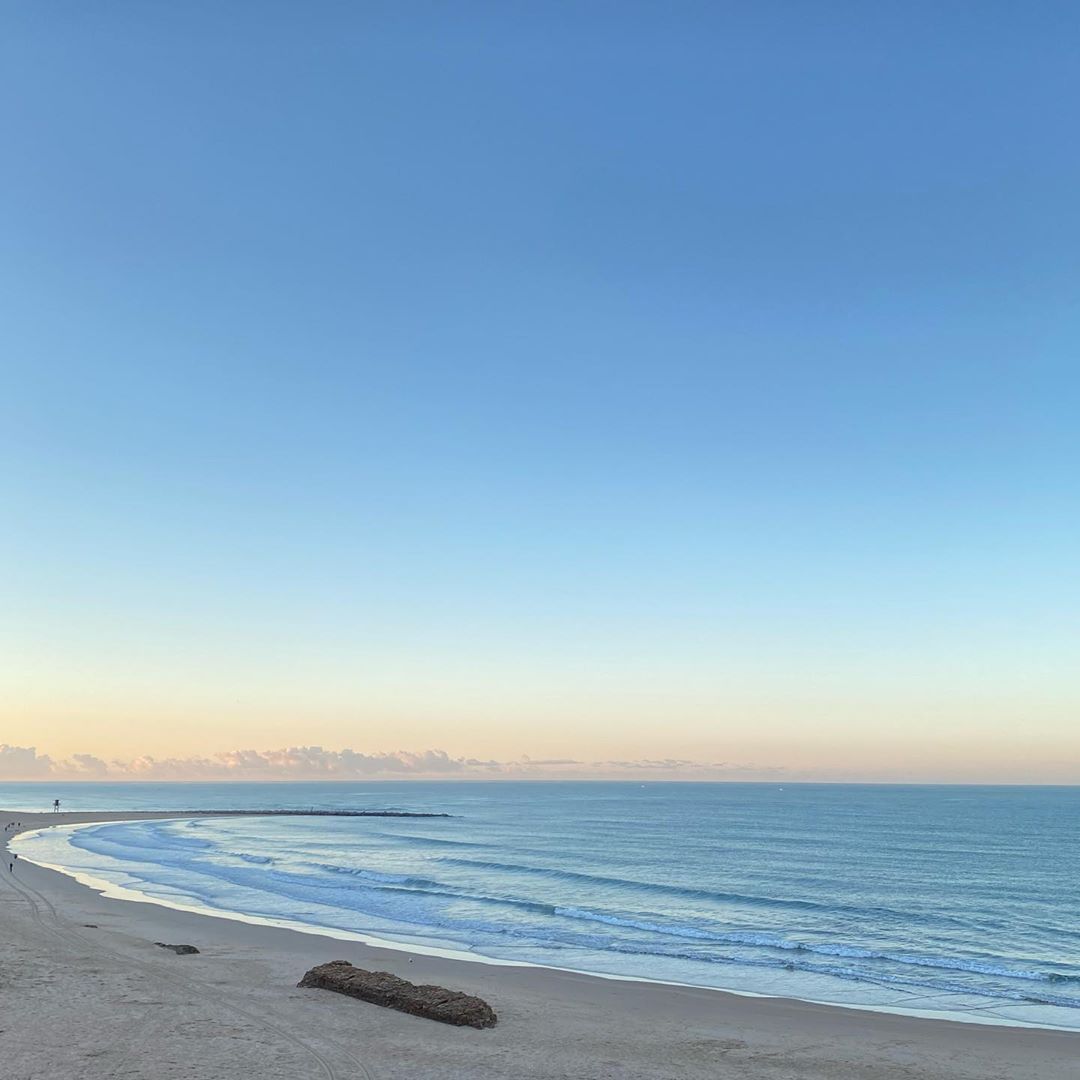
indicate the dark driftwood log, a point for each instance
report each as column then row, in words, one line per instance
column 382, row 988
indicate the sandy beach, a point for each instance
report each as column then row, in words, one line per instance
column 85, row 993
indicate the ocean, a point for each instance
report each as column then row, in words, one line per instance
column 960, row 902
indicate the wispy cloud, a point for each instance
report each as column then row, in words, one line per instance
column 317, row 763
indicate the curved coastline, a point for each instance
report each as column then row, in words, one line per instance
column 109, row 890
column 89, row 994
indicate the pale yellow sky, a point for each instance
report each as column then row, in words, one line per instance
column 829, row 737
column 830, row 709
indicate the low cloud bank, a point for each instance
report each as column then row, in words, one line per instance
column 316, row 763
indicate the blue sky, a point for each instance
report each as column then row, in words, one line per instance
column 615, row 379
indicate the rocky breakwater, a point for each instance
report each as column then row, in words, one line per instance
column 382, row 988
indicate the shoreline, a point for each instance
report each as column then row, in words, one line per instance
column 111, row 891
column 581, row 1009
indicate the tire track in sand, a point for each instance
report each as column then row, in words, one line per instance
column 277, row 1030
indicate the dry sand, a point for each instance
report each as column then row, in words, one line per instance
column 83, row 1002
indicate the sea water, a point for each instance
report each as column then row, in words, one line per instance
column 955, row 901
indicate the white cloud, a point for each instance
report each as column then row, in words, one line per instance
column 317, row 763
column 24, row 763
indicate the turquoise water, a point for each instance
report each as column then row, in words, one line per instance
column 948, row 900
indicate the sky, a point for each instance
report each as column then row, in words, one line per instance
column 675, row 390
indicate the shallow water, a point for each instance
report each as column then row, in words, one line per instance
column 953, row 900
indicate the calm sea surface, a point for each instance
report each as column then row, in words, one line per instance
column 954, row 900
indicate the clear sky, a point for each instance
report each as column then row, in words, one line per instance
column 613, row 382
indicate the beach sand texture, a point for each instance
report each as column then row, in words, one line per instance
column 85, row 994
